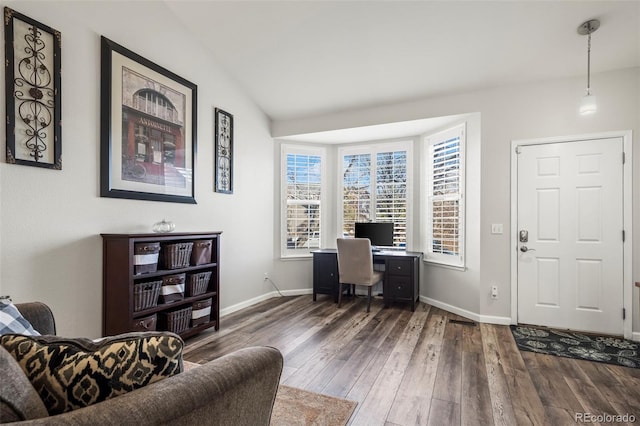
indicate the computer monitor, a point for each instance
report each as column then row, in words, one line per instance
column 379, row 233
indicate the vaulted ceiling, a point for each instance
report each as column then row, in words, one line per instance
column 299, row 59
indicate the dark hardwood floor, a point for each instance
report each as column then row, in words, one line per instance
column 422, row 367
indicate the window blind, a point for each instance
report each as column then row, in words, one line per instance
column 445, row 196
column 391, row 192
column 356, row 191
column 303, row 195
column 374, row 188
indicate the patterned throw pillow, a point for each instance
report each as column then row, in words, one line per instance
column 12, row 321
column 74, row 373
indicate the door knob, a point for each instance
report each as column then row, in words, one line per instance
column 525, row 249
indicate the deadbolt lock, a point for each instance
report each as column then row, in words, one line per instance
column 524, row 236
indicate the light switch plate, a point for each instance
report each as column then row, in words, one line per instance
column 496, row 228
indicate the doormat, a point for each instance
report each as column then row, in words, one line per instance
column 569, row 344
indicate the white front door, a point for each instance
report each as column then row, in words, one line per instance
column 570, row 223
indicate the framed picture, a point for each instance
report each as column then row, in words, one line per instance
column 224, row 152
column 33, row 92
column 148, row 129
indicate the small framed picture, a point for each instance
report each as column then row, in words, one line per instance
column 224, row 152
column 148, row 129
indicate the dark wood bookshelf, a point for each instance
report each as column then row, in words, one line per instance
column 119, row 278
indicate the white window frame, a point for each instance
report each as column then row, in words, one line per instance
column 457, row 261
column 286, row 149
column 374, row 149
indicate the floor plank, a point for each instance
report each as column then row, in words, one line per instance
column 548, row 378
column 412, row 402
column 444, row 413
column 502, row 410
column 448, row 386
column 366, row 357
column 377, row 403
column 475, row 402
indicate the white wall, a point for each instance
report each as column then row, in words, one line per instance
column 537, row 110
column 50, row 246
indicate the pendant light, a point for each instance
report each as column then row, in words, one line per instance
column 588, row 103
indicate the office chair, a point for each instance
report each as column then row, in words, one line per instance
column 355, row 265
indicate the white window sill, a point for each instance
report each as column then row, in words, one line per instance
column 305, row 256
column 461, row 268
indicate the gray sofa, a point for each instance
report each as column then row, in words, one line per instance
column 237, row 389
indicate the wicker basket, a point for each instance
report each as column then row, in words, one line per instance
column 172, row 288
column 201, row 313
column 201, row 253
column 145, row 258
column 198, row 283
column 177, row 255
column 176, row 321
column 145, row 324
column 145, row 295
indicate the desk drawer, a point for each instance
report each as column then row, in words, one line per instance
column 399, row 267
column 400, row 288
column 325, row 277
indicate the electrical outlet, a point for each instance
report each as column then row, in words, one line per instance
column 266, row 276
column 494, row 291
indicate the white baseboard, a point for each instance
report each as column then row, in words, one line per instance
column 489, row 319
column 635, row 336
column 231, row 309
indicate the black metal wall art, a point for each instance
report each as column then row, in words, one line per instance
column 148, row 129
column 224, row 152
column 33, row 104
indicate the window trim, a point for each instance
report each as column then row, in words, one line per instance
column 373, row 148
column 457, row 262
column 286, row 149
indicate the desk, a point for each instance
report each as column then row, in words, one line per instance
column 401, row 274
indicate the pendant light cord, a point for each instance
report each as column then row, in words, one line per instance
column 589, row 63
